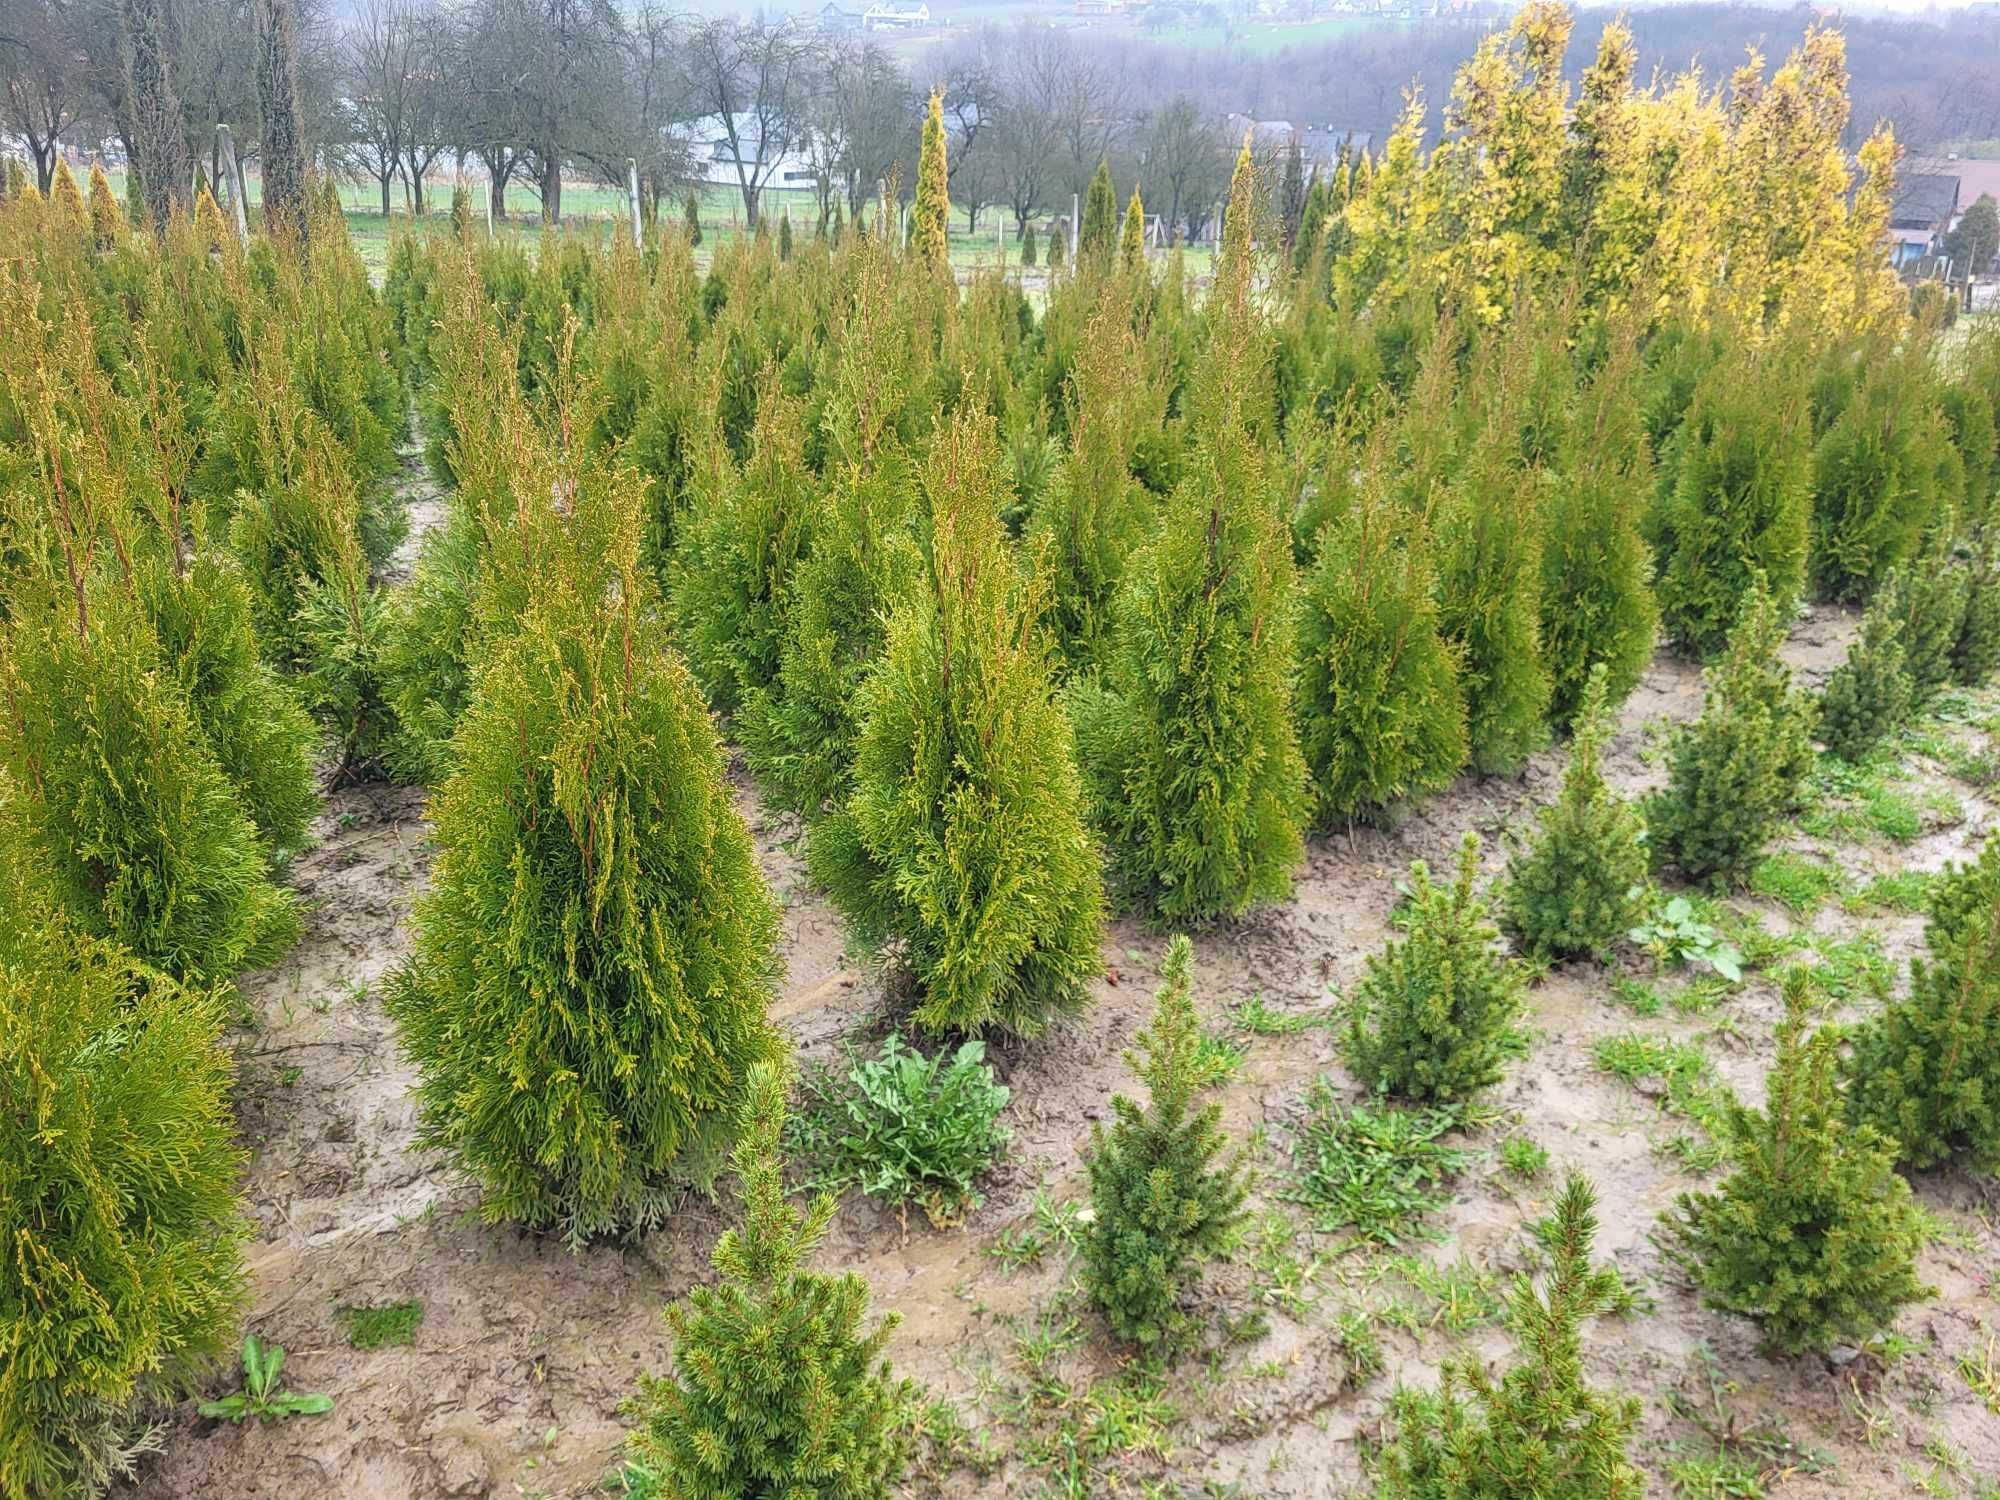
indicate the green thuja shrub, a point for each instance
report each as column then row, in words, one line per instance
column 962, row 842
column 1976, row 652
column 1736, row 771
column 799, row 732
column 1580, row 883
column 1812, row 1235
column 254, row 721
column 118, row 800
column 595, row 953
column 123, row 1277
column 1380, row 717
column 1538, row 1429
column 1874, row 479
column 1926, row 1071
column 1167, row 1194
column 1868, row 695
column 1438, row 1011
column 1489, row 608
column 740, row 543
column 1968, row 420
column 1193, row 761
column 422, row 656
column 778, row 1387
column 1737, row 502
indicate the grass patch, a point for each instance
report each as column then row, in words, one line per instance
column 1678, row 1076
column 1457, row 1298
column 1796, row 882
column 1523, row 1158
column 1373, row 1170
column 1848, row 968
column 1048, row 1226
column 1904, row 891
column 387, row 1326
column 1256, row 1016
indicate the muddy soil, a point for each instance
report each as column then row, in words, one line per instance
column 513, row 1384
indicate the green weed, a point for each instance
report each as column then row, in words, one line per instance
column 1375, row 1170
column 383, row 1326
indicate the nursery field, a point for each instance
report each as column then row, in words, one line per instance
column 788, row 868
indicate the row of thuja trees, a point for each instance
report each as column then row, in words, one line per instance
column 1010, row 606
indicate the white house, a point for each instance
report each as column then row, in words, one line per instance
column 893, row 17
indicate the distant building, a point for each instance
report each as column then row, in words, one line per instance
column 715, row 158
column 836, row 20
column 1925, row 206
column 892, row 17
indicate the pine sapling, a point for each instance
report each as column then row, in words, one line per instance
column 1812, row 1235
column 1736, row 771
column 1868, row 695
column 1166, row 1193
column 1437, row 1013
column 778, row 1388
column 1926, row 1071
column 1538, row 1430
column 1580, row 884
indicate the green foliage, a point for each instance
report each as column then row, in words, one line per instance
column 1166, row 1197
column 1524, row 1158
column 255, row 723
column 932, row 208
column 1933, row 599
column 1380, row 716
column 1736, row 503
column 1969, row 421
column 963, row 841
column 596, row 951
column 118, row 802
column 1596, row 596
column 1539, row 1429
column 1373, row 1170
column 1926, row 1071
column 1676, row 933
column 777, row 1387
column 1097, row 233
column 1868, row 696
column 261, row 1396
column 1490, row 609
column 1813, row 1235
column 906, row 1128
column 1438, row 1011
column 1735, row 773
column 1580, row 882
column 1132, row 238
column 1976, row 652
column 1873, row 487
column 691, row 218
column 1028, row 247
column 123, row 1275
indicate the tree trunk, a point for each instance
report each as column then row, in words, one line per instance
column 160, row 148
column 386, row 178
column 496, row 190
column 283, row 153
column 551, row 189
column 414, row 180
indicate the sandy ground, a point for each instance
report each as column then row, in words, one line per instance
column 513, row 1384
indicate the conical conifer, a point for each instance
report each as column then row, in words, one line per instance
column 1580, row 884
column 1813, row 1235
column 1381, row 721
column 1868, row 695
column 1097, row 233
column 1028, row 247
column 1926, row 1071
column 594, row 957
column 1438, row 1010
column 1735, row 772
column 962, row 842
column 107, row 219
column 1132, row 239
column 932, row 209
column 66, row 198
column 123, row 1277
column 1539, row 1429
column 778, row 1388
column 1167, row 1194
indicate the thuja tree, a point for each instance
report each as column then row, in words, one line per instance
column 123, row 1275
column 1735, row 772
column 1873, row 477
column 1196, row 776
column 741, row 542
column 1926, row 1071
column 1737, row 500
column 117, row 797
column 1812, row 1235
column 1933, row 602
column 594, row 957
column 779, row 1387
column 962, row 842
column 1538, row 1429
column 1579, row 884
column 1380, row 718
column 1868, row 695
column 1438, row 1011
column 1167, row 1194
